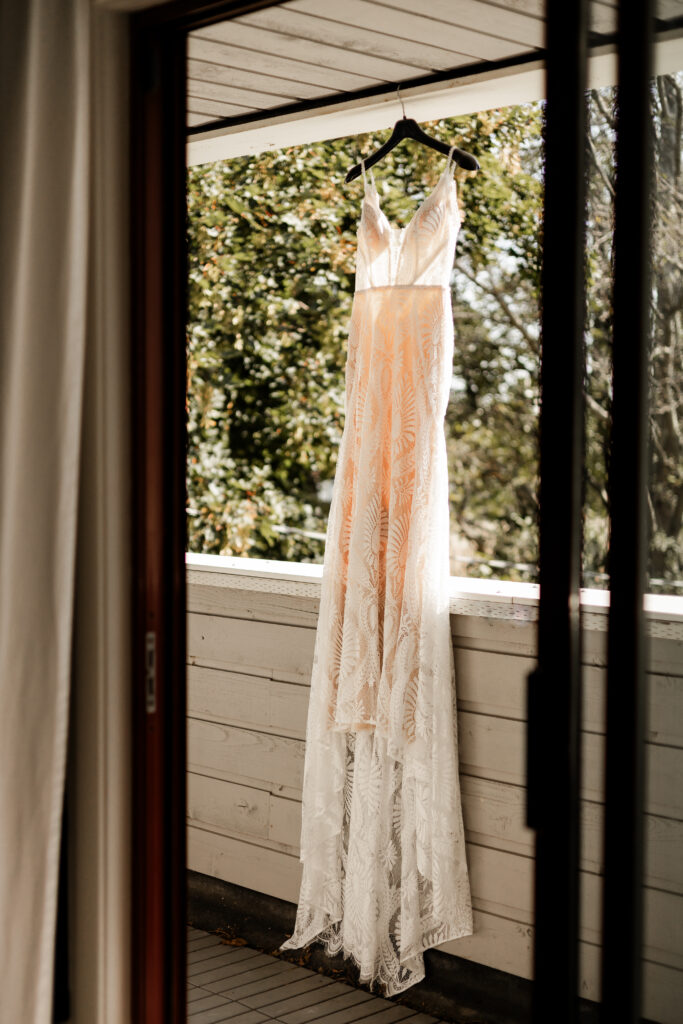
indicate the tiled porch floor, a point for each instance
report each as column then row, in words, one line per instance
column 243, row 986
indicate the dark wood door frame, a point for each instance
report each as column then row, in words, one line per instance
column 158, row 637
column 159, row 284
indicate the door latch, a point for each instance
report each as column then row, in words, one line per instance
column 151, row 672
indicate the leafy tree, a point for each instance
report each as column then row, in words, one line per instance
column 272, row 248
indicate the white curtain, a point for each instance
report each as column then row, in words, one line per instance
column 46, row 60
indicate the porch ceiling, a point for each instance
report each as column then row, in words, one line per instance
column 309, row 53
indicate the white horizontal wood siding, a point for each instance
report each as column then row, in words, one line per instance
column 250, row 653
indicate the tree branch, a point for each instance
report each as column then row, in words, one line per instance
column 602, row 108
column 596, row 407
column 504, row 305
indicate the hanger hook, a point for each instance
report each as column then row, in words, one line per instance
column 398, row 94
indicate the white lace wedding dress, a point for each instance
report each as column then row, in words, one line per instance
column 382, row 845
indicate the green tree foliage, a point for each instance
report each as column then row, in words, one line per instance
column 272, row 246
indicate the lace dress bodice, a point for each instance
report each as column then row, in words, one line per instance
column 420, row 253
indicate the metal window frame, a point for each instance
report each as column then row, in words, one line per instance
column 554, row 748
column 628, row 551
column 554, row 695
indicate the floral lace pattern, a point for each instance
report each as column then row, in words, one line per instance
column 382, row 842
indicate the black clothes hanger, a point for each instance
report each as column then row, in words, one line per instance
column 407, row 128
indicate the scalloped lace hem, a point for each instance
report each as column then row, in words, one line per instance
column 409, row 971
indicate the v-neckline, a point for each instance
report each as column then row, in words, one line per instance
column 396, row 227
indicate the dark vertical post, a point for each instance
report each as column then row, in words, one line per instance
column 554, row 688
column 628, row 471
column 158, row 232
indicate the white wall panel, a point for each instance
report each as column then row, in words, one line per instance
column 250, row 656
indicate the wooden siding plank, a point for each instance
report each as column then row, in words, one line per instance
column 487, row 681
column 494, row 815
column 490, row 748
column 253, row 647
column 195, row 109
column 367, row 17
column 227, row 806
column 505, row 632
column 199, row 71
column 244, row 812
column 329, row 80
column 259, row 99
column 193, row 119
column 669, row 9
column 418, row 57
column 602, row 16
column 244, row 755
column 662, row 993
column 506, row 23
column 224, row 108
column 282, row 37
column 247, row 701
column 502, row 883
column 502, row 886
column 254, row 867
column 494, row 748
column 220, row 598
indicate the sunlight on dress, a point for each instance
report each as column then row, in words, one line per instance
column 382, row 844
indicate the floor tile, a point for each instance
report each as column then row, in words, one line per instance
column 390, row 1014
column 194, row 993
column 315, row 1012
column 240, row 985
column 202, row 942
column 222, row 967
column 364, row 1013
column 252, row 982
column 231, row 974
column 196, row 956
column 229, row 1011
column 311, row 996
column 209, row 1001
column 284, row 989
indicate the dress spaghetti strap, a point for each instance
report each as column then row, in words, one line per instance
column 365, row 180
